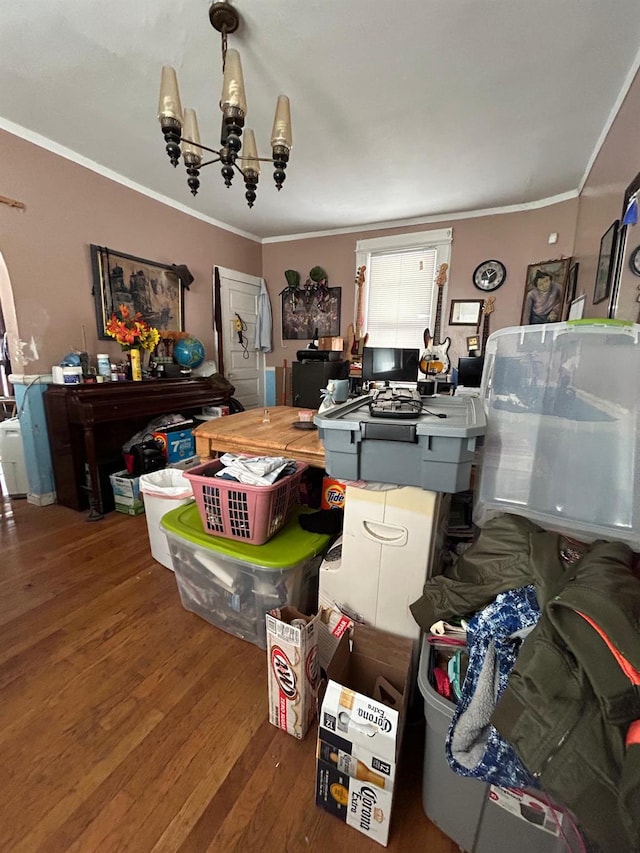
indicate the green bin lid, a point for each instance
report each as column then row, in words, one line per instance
column 288, row 547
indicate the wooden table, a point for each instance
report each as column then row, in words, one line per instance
column 245, row 432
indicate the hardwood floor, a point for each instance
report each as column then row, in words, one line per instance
column 129, row 724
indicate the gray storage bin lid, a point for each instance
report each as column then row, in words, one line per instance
column 464, row 417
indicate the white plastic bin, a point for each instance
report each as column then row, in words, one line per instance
column 12, row 458
column 163, row 491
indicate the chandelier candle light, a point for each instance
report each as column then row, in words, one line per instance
column 180, row 128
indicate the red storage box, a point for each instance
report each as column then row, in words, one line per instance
column 236, row 511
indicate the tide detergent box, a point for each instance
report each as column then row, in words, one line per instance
column 176, row 441
column 334, row 492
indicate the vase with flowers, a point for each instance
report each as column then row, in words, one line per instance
column 133, row 334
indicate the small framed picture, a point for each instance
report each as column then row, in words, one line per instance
column 606, row 259
column 572, row 286
column 465, row 312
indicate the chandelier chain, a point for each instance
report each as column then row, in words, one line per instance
column 223, row 39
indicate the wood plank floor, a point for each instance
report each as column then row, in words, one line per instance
column 129, row 724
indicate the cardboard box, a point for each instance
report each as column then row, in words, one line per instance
column 216, row 411
column 292, row 655
column 360, row 728
column 125, row 486
column 126, row 493
column 334, row 344
column 176, row 441
column 129, row 508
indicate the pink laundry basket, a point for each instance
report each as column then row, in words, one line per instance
column 236, row 511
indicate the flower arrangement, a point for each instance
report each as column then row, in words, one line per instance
column 131, row 331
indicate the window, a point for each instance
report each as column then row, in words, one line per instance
column 400, row 286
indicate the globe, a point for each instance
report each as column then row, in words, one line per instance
column 189, row 352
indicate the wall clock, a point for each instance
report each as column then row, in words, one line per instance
column 634, row 261
column 489, row 275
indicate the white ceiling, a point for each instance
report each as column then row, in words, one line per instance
column 400, row 110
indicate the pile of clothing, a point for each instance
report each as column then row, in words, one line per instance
column 551, row 698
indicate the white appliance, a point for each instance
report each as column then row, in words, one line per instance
column 391, row 541
column 12, row 458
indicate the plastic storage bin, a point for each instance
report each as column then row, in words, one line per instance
column 237, row 511
column 12, row 458
column 233, row 584
column 163, row 491
column 481, row 818
column 434, row 453
column 562, row 442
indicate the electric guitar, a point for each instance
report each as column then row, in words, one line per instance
column 355, row 339
column 487, row 310
column 434, row 359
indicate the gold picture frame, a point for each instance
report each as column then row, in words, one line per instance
column 154, row 290
column 545, row 287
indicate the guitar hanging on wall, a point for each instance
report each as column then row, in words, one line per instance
column 487, row 310
column 356, row 341
column 434, row 359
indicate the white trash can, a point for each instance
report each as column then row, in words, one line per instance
column 163, row 491
column 12, row 458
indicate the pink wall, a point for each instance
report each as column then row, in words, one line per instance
column 46, row 248
column 617, row 164
column 516, row 239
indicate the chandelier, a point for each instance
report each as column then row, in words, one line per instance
column 180, row 127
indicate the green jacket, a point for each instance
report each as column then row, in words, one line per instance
column 568, row 704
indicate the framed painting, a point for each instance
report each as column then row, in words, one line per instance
column 572, row 286
column 606, row 262
column 544, row 292
column 154, row 290
column 303, row 313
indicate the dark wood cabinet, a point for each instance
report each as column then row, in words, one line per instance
column 88, row 424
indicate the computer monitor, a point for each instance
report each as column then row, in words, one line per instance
column 390, row 364
column 470, row 371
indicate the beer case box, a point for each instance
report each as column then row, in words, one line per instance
column 361, row 726
column 293, row 672
column 176, row 441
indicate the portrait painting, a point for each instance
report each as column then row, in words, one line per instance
column 154, row 290
column 544, row 292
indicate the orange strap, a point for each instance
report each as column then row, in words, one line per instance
column 633, row 732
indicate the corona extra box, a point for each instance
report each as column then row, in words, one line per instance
column 360, row 728
column 292, row 658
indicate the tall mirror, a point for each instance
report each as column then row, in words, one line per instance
column 624, row 303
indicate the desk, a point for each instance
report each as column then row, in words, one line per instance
column 88, row 424
column 245, row 432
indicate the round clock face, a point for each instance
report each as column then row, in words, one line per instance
column 489, row 275
column 634, row 261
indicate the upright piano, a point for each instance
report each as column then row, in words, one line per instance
column 88, row 424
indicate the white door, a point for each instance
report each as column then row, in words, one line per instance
column 243, row 365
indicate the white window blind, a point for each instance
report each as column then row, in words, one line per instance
column 400, row 285
column 400, row 291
